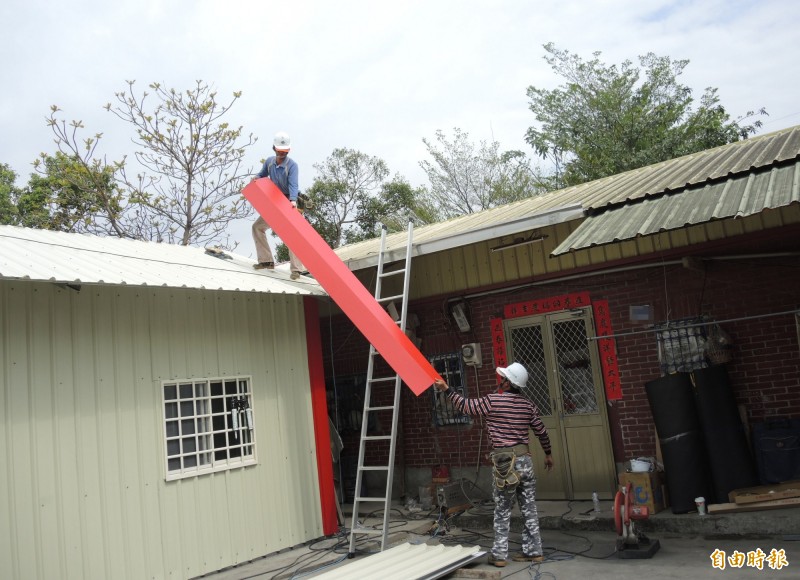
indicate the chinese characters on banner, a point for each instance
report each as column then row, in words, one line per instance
column 498, row 343
column 607, row 348
column 545, row 305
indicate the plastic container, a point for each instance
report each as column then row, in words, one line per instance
column 640, row 466
column 700, row 502
column 425, row 497
column 596, row 502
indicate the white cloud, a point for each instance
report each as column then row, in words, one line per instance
column 373, row 76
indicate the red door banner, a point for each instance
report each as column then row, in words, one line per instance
column 498, row 344
column 545, row 305
column 343, row 287
column 607, row 349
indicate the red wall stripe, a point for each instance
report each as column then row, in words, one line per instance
column 319, row 406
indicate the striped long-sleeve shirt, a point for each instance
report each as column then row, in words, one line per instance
column 508, row 416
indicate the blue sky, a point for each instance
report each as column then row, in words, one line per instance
column 373, row 76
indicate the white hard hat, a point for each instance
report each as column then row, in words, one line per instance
column 515, row 373
column 282, row 141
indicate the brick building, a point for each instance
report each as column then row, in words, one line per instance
column 598, row 289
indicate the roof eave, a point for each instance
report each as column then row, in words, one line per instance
column 547, row 218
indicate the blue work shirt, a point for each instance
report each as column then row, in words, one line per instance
column 283, row 175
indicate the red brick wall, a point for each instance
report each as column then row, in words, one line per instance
column 764, row 372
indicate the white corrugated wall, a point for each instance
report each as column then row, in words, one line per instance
column 83, row 493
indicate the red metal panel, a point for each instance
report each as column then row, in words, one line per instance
column 340, row 283
column 319, row 406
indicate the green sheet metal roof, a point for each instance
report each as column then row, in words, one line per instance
column 704, row 171
column 740, row 196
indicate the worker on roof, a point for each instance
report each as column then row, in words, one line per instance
column 509, row 414
column 283, row 172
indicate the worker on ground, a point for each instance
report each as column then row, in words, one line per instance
column 508, row 416
column 282, row 171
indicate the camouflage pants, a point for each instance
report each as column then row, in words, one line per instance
column 503, row 501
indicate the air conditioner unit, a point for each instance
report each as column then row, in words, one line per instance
column 471, row 353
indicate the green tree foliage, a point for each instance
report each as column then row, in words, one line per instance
column 76, row 168
column 395, row 205
column 466, row 179
column 185, row 185
column 9, row 194
column 607, row 119
column 63, row 196
column 351, row 196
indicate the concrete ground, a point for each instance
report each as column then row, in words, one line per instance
column 578, row 544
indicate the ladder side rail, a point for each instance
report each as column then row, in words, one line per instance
column 381, row 258
column 407, row 277
column 397, row 386
column 365, row 415
column 361, row 453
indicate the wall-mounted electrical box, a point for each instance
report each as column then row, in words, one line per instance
column 471, row 353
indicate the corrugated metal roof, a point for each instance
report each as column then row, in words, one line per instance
column 506, row 220
column 407, row 562
column 682, row 172
column 29, row 254
column 652, row 181
column 746, row 194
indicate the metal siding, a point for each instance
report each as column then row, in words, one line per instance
column 84, row 495
column 420, row 561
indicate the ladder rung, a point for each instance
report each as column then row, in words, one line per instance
column 369, row 531
column 390, row 298
column 393, row 273
column 380, row 499
column 382, row 379
column 374, row 467
column 376, row 437
column 387, row 408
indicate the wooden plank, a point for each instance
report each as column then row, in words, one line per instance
column 475, row 573
column 783, row 490
column 724, row 508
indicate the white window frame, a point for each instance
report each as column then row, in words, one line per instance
column 198, row 425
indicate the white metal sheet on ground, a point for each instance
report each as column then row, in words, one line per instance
column 407, row 562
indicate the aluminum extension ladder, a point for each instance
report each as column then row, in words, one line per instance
column 356, row 527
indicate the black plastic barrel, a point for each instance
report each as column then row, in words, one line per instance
column 729, row 458
column 672, row 403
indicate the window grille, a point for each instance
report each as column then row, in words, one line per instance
column 574, row 367
column 451, row 368
column 527, row 344
column 682, row 345
column 208, row 426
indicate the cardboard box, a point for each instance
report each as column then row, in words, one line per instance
column 648, row 489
